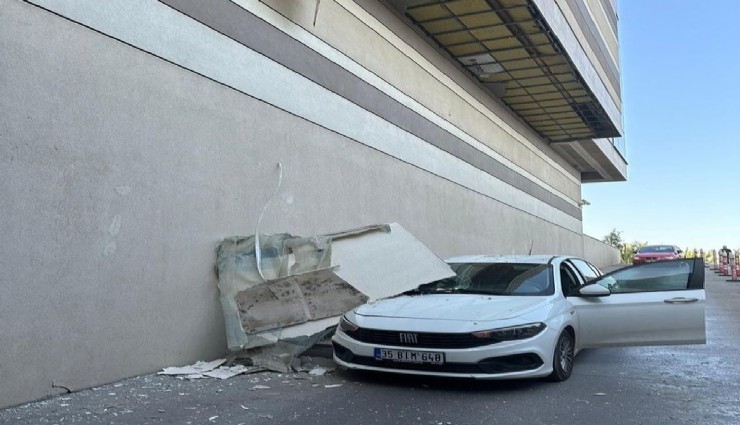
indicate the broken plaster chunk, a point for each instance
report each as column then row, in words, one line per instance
column 296, row 299
column 317, row 371
column 308, row 363
column 191, row 376
column 332, row 386
column 260, row 387
column 312, row 281
column 202, row 370
column 197, row 368
column 224, row 372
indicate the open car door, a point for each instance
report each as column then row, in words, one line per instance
column 660, row 303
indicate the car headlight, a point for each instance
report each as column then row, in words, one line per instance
column 509, row 334
column 346, row 326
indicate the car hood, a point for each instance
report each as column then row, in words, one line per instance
column 453, row 307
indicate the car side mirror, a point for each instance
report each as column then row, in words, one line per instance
column 593, row 290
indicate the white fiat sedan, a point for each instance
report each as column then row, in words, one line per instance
column 506, row 317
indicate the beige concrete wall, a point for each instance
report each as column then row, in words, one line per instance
column 599, row 253
column 410, row 65
column 132, row 144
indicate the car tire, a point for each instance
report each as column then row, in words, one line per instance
column 563, row 357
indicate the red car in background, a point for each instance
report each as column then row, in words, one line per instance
column 651, row 253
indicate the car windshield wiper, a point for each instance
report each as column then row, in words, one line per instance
column 432, row 288
column 415, row 291
column 476, row 291
column 458, row 291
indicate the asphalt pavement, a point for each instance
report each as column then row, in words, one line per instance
column 698, row 384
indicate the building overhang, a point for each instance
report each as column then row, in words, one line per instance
column 526, row 55
column 598, row 160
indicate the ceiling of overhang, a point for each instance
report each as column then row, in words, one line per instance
column 510, row 49
column 593, row 161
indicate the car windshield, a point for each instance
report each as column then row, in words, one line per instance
column 657, row 248
column 495, row 279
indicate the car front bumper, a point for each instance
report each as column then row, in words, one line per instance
column 529, row 358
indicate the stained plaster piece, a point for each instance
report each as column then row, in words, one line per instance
column 376, row 261
column 296, row 299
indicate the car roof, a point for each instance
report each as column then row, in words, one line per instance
column 528, row 259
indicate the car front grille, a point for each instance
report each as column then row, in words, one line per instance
column 419, row 339
column 492, row 365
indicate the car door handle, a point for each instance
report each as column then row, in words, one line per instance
column 680, row 300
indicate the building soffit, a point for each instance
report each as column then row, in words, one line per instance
column 509, row 48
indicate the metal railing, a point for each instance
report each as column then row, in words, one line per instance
column 621, row 145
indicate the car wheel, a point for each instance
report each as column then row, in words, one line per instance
column 562, row 359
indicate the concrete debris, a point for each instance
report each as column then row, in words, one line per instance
column 281, row 294
column 260, row 387
column 326, row 363
column 226, row 372
column 198, row 367
column 317, row 371
column 310, row 363
column 282, row 356
column 332, row 386
column 214, row 369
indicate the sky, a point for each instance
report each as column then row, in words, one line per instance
column 680, row 65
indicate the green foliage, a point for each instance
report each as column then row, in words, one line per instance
column 614, row 238
column 628, row 251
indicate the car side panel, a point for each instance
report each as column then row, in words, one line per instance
column 646, row 318
column 659, row 303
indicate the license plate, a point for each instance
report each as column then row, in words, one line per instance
column 409, row 356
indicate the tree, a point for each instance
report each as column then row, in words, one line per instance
column 614, row 238
column 628, row 251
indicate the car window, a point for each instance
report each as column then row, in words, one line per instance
column 657, row 249
column 584, row 269
column 496, row 279
column 596, row 270
column 568, row 279
column 650, row 277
